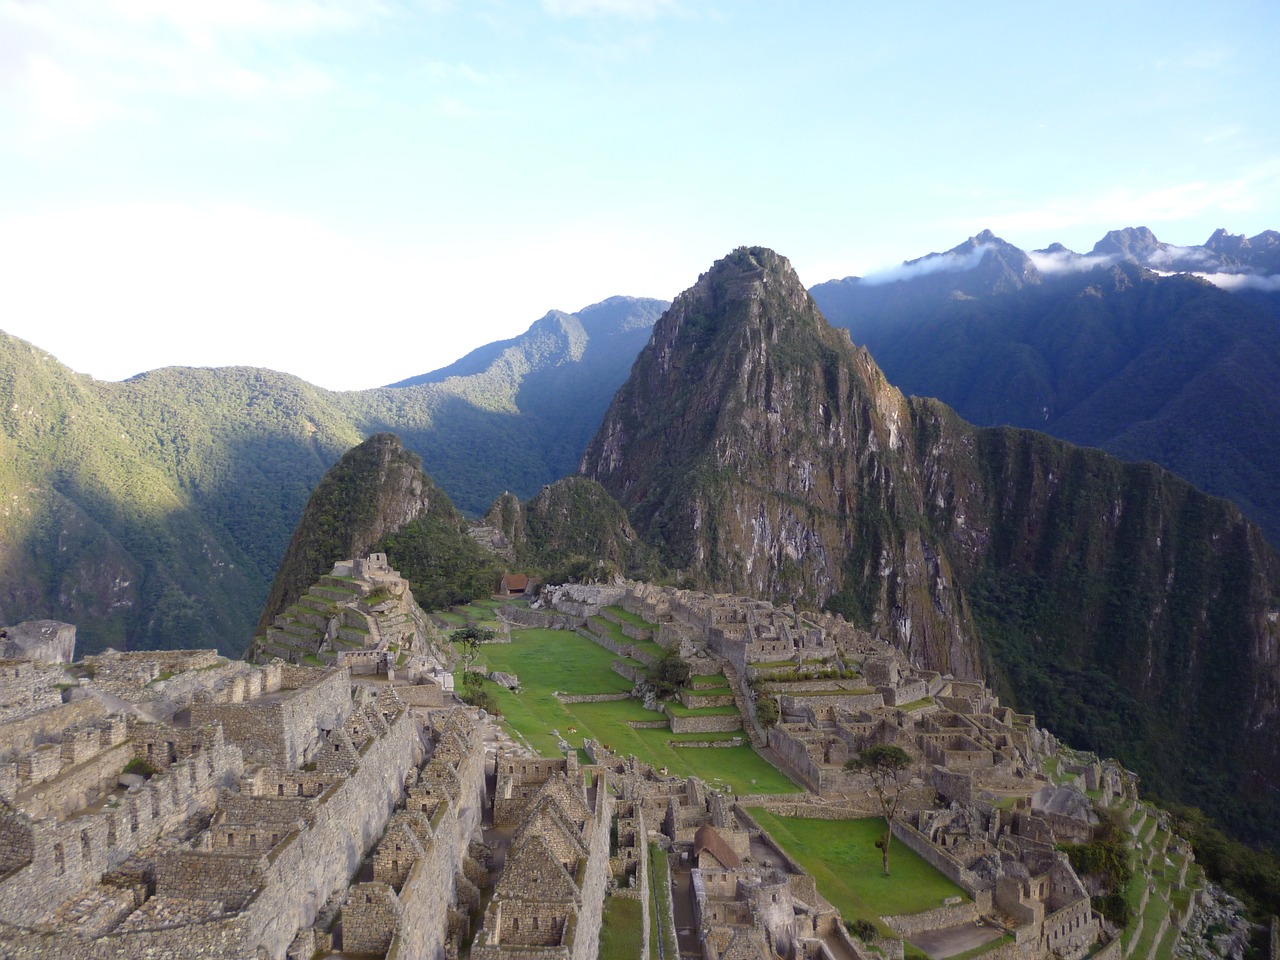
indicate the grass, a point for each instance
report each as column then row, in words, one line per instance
column 614, row 632
column 662, row 921
column 985, row 948
column 678, row 709
column 620, row 930
column 631, row 618
column 551, row 660
column 843, row 859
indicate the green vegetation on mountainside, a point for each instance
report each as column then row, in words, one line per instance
column 154, row 512
column 573, row 530
column 377, row 499
column 1167, row 369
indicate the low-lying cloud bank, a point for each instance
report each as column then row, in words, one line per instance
column 950, row 262
column 1243, row 281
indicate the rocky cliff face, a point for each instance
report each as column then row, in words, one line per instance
column 571, row 527
column 375, row 490
column 764, row 453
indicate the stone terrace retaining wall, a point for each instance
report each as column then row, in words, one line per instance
column 592, row 698
column 936, row 919
column 943, row 862
column 545, row 619
column 713, row 724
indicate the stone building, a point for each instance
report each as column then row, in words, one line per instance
column 548, row 900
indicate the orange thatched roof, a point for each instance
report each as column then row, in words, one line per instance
column 708, row 839
column 512, row 582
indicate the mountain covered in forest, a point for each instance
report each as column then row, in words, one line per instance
column 154, row 513
column 760, row 451
column 1104, row 349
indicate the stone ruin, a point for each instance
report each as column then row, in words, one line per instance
column 361, row 615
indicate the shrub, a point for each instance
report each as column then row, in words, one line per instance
column 139, row 767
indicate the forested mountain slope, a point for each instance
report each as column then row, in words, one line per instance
column 154, row 512
column 1097, row 349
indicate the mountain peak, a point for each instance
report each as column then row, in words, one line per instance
column 1131, row 243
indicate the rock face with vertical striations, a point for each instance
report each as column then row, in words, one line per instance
column 763, row 453
column 768, row 456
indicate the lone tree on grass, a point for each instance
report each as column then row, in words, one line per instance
column 470, row 638
column 884, row 764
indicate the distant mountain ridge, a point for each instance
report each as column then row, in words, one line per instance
column 1100, row 348
column 154, row 512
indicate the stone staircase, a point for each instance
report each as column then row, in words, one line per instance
column 744, row 707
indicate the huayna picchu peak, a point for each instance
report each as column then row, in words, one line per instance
column 763, row 453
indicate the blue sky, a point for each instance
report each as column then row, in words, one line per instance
column 358, row 191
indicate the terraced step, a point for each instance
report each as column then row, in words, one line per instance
column 296, row 628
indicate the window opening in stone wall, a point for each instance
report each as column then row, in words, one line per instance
column 84, row 845
column 59, row 860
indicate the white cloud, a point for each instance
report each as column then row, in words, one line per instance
column 1064, row 261
column 86, row 62
column 1257, row 188
column 934, row 263
column 1243, row 281
column 628, row 9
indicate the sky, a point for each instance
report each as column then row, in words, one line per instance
column 358, row 191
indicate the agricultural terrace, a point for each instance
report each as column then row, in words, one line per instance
column 842, row 857
column 546, row 661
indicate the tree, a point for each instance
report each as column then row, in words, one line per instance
column 767, row 711
column 470, row 637
column 884, row 764
column 668, row 675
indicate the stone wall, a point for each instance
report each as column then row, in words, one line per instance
column 76, row 786
column 283, row 729
column 303, row 873
column 67, row 857
column 936, row 919
column 546, row 619
column 853, row 702
column 940, row 860
column 422, row 695
column 429, row 890
column 22, row 735
column 712, row 724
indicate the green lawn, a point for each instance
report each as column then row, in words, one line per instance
column 678, row 709
column 631, row 618
column 550, row 660
column 620, row 930
column 843, row 859
column 614, row 632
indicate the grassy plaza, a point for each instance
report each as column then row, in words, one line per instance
column 842, row 857
column 546, row 661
